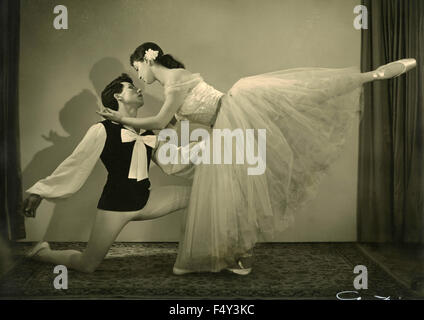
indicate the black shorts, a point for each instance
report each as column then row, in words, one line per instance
column 124, row 195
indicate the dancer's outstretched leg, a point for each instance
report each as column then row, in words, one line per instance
column 346, row 80
column 108, row 225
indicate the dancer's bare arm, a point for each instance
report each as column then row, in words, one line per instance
column 177, row 167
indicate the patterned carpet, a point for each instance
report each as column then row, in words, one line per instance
column 405, row 262
column 144, row 271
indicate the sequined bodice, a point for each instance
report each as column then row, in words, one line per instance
column 200, row 103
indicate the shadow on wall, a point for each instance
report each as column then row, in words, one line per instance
column 77, row 115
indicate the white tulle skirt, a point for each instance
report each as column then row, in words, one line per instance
column 307, row 114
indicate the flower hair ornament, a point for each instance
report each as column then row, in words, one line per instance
column 151, row 55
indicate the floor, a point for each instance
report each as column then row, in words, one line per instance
column 404, row 262
column 289, row 270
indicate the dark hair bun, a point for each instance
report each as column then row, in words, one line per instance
column 165, row 60
column 169, row 62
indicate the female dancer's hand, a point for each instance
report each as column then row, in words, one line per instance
column 109, row 114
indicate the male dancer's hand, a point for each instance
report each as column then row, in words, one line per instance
column 31, row 204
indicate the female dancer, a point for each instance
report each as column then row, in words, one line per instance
column 307, row 113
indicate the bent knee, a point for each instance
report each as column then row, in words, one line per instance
column 89, row 268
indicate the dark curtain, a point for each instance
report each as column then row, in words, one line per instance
column 391, row 155
column 11, row 221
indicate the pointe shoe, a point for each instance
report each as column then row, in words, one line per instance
column 180, row 272
column 37, row 248
column 242, row 271
column 407, row 64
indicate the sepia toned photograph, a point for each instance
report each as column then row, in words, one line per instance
column 191, row 150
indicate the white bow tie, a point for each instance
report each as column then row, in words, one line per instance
column 138, row 166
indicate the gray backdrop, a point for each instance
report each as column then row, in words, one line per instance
column 63, row 71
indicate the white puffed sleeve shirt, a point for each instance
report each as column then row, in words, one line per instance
column 72, row 173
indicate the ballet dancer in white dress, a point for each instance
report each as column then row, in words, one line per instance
column 307, row 114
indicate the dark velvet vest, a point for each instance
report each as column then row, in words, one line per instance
column 119, row 192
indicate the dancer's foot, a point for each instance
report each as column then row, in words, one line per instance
column 37, row 249
column 180, row 272
column 241, row 270
column 394, row 69
column 247, row 259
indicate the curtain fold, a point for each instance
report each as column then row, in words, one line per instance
column 12, row 225
column 391, row 155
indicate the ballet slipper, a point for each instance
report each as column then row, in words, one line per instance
column 37, row 248
column 407, row 64
column 180, row 272
column 242, row 271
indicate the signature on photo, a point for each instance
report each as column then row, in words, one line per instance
column 340, row 297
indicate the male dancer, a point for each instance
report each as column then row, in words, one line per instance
column 126, row 197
